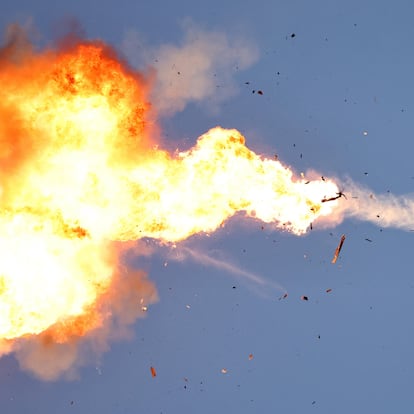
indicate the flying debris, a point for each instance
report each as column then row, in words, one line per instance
column 153, row 372
column 339, row 195
column 338, row 249
column 304, row 297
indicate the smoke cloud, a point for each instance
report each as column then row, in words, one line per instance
column 199, row 69
column 17, row 44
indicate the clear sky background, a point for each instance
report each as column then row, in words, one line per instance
column 348, row 70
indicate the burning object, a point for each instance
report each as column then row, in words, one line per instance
column 79, row 179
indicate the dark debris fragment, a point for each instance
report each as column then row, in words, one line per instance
column 338, row 249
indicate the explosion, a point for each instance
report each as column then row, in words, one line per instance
column 82, row 176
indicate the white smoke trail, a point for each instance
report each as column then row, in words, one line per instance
column 383, row 210
column 262, row 285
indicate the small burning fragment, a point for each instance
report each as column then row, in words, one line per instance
column 153, row 372
column 338, row 249
column 303, row 297
column 250, row 357
column 224, row 371
column 144, row 308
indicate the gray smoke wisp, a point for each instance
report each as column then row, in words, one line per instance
column 199, row 69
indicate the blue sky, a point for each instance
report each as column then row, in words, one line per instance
column 347, row 70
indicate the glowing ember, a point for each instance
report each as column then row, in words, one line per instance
column 79, row 170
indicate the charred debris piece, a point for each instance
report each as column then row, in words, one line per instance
column 338, row 195
column 338, row 249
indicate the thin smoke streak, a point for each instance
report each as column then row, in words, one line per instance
column 182, row 253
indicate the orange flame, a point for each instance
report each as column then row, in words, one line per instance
column 80, row 169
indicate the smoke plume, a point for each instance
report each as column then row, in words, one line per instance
column 198, row 70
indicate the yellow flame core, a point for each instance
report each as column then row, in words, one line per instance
column 201, row 188
column 78, row 169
